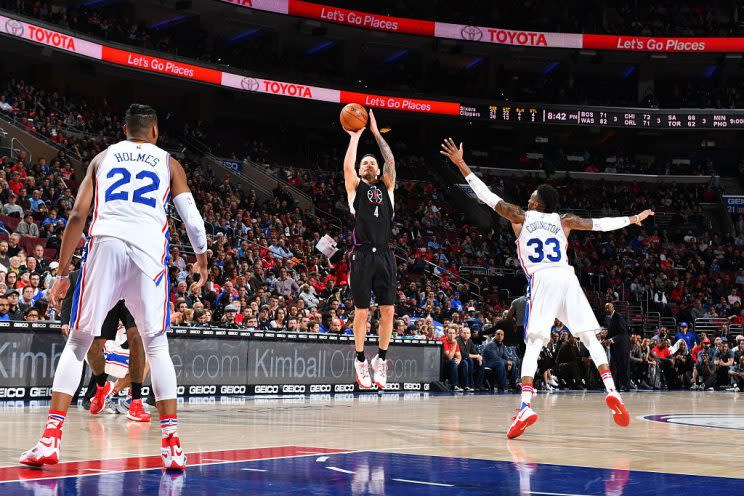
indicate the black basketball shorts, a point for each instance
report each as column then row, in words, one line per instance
column 372, row 271
column 111, row 323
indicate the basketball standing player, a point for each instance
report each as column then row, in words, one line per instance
column 371, row 262
column 129, row 185
column 553, row 288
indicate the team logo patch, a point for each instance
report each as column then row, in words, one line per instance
column 374, row 195
column 712, row 420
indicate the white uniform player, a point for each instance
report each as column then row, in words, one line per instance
column 128, row 185
column 553, row 289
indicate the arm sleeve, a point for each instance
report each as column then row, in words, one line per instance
column 610, row 223
column 193, row 221
column 482, row 191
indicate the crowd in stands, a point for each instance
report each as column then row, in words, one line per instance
column 265, row 272
column 192, row 37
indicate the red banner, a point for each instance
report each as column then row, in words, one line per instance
column 403, row 104
column 163, row 66
column 662, row 44
column 360, row 19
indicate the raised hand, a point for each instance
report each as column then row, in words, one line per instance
column 373, row 123
column 450, row 150
column 639, row 218
column 357, row 134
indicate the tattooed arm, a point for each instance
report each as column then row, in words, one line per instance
column 571, row 221
column 388, row 170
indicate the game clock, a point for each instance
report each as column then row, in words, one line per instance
column 605, row 116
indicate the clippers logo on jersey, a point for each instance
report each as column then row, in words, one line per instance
column 374, row 195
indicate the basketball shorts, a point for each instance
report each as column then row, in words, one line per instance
column 109, row 274
column 372, row 271
column 111, row 324
column 555, row 293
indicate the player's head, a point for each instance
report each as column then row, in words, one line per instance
column 141, row 122
column 369, row 169
column 544, row 199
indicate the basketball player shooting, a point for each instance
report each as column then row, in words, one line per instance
column 126, row 258
column 371, row 262
column 553, row 288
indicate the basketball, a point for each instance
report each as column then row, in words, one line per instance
column 353, row 117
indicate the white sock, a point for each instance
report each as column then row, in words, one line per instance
column 608, row 381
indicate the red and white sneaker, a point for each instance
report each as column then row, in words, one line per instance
column 619, row 413
column 523, row 419
column 172, row 454
column 99, row 400
column 137, row 413
column 379, row 367
column 46, row 451
column 362, row 374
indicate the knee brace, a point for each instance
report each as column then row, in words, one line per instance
column 70, row 366
column 162, row 372
column 531, row 354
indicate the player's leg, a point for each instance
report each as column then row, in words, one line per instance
column 384, row 285
column 93, row 294
column 583, row 324
column 542, row 302
column 149, row 306
column 97, row 365
column 360, row 282
column 137, row 370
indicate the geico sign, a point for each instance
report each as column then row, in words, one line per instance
column 266, row 390
column 179, row 390
column 343, row 388
column 393, row 386
column 320, row 388
column 287, row 89
column 47, row 37
column 18, row 392
column 39, row 392
column 232, row 390
column 412, row 386
column 291, row 388
column 202, row 389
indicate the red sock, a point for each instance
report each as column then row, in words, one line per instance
column 169, row 424
column 56, row 419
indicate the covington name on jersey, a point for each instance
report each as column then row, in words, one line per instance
column 542, row 225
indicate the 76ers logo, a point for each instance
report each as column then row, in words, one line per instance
column 374, row 195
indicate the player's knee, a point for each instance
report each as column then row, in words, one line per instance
column 361, row 313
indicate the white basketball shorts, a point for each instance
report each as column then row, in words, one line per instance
column 108, row 274
column 555, row 293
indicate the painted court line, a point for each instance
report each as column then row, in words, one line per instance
column 254, row 469
column 321, row 459
column 336, row 469
column 424, row 483
column 557, row 494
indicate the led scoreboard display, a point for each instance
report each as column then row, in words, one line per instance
column 606, row 116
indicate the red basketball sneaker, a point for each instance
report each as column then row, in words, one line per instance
column 46, row 451
column 523, row 419
column 99, row 400
column 619, row 413
column 137, row 413
column 172, row 454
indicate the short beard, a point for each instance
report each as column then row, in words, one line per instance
column 370, row 178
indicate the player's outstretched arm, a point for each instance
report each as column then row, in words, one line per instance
column 74, row 231
column 507, row 210
column 192, row 219
column 571, row 221
column 388, row 169
column 351, row 178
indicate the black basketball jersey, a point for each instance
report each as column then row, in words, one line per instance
column 373, row 215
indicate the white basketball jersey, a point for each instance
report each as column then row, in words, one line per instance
column 541, row 243
column 132, row 192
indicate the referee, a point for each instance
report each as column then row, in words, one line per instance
column 371, row 262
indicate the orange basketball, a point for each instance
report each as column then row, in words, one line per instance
column 353, row 117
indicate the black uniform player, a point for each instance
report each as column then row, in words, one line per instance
column 99, row 387
column 371, row 263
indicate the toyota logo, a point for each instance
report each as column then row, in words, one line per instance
column 249, row 84
column 471, row 33
column 14, row 27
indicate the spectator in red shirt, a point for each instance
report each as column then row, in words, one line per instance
column 451, row 357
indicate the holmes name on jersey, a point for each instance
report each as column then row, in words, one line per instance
column 137, row 157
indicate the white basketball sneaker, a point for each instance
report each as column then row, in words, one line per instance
column 46, row 451
column 172, row 454
column 379, row 367
column 362, row 374
column 523, row 419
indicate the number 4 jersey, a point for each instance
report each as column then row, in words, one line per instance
column 132, row 192
column 541, row 243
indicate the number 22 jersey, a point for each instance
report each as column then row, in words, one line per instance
column 541, row 243
column 132, row 192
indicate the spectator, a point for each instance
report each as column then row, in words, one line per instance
column 308, row 296
column 14, row 247
column 546, row 362
column 27, row 227
column 11, row 208
column 495, row 358
column 4, row 257
column 638, row 365
column 569, row 364
column 285, row 285
column 292, row 325
column 471, row 364
column 31, row 314
column 279, row 322
column 14, row 310
column 451, row 357
column 689, row 337
column 4, row 307
column 228, row 317
column 681, row 364
column 723, row 360
column 736, row 373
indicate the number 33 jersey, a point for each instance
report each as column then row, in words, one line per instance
column 541, row 243
column 131, row 195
